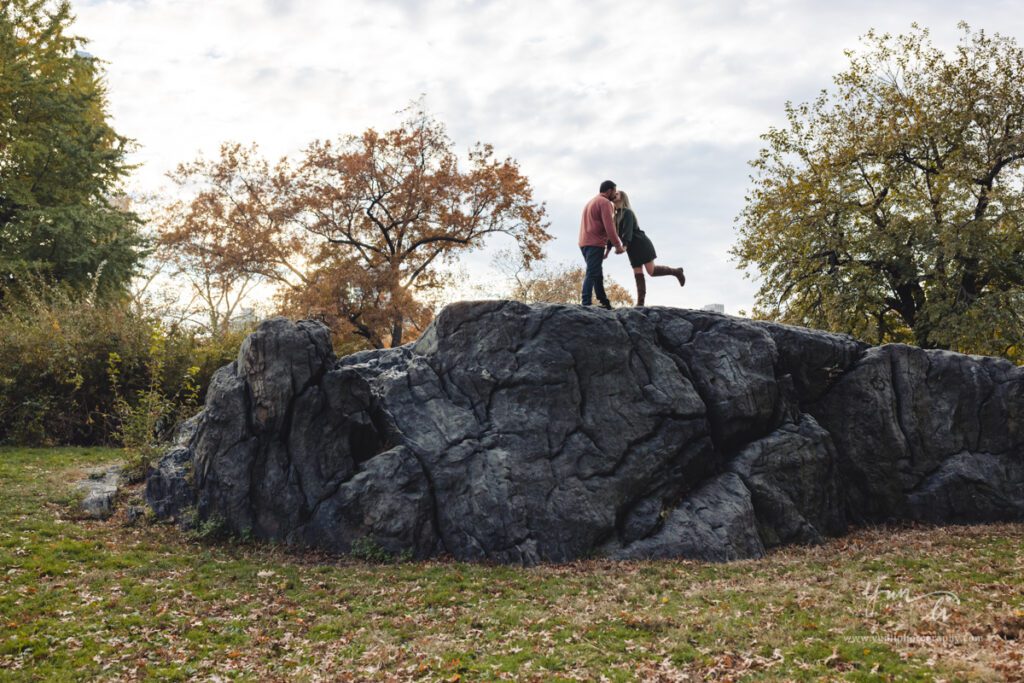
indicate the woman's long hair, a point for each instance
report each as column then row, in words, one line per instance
column 625, row 205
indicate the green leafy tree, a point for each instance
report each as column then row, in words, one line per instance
column 892, row 208
column 60, row 161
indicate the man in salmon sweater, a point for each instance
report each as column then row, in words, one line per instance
column 597, row 228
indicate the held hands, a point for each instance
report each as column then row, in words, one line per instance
column 621, row 249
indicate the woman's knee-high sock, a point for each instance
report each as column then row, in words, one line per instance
column 641, row 288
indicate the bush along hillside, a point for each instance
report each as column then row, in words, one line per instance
column 78, row 371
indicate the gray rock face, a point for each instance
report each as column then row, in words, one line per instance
column 98, row 491
column 526, row 433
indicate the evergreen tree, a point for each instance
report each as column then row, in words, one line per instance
column 60, row 160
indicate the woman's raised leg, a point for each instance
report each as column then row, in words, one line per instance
column 657, row 271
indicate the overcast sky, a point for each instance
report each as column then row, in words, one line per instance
column 666, row 98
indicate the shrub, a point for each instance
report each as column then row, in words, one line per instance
column 75, row 371
column 53, row 367
column 143, row 421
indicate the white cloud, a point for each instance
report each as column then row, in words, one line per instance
column 667, row 98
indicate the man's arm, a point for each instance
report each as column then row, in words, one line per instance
column 608, row 219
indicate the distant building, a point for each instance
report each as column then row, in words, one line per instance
column 714, row 308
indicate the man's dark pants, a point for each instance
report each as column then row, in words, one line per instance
column 594, row 279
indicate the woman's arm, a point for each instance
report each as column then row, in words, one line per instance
column 627, row 225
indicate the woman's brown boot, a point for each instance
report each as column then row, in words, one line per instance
column 664, row 270
column 641, row 288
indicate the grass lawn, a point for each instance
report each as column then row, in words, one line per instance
column 111, row 601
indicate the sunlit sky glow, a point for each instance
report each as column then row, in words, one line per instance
column 666, row 98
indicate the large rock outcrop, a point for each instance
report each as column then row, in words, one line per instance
column 526, row 433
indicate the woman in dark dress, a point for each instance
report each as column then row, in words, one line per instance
column 639, row 248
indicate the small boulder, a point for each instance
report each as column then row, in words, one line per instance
column 98, row 491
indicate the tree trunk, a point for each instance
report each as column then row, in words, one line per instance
column 362, row 330
column 397, row 323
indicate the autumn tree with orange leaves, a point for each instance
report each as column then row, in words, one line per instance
column 394, row 207
column 355, row 232
column 233, row 232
